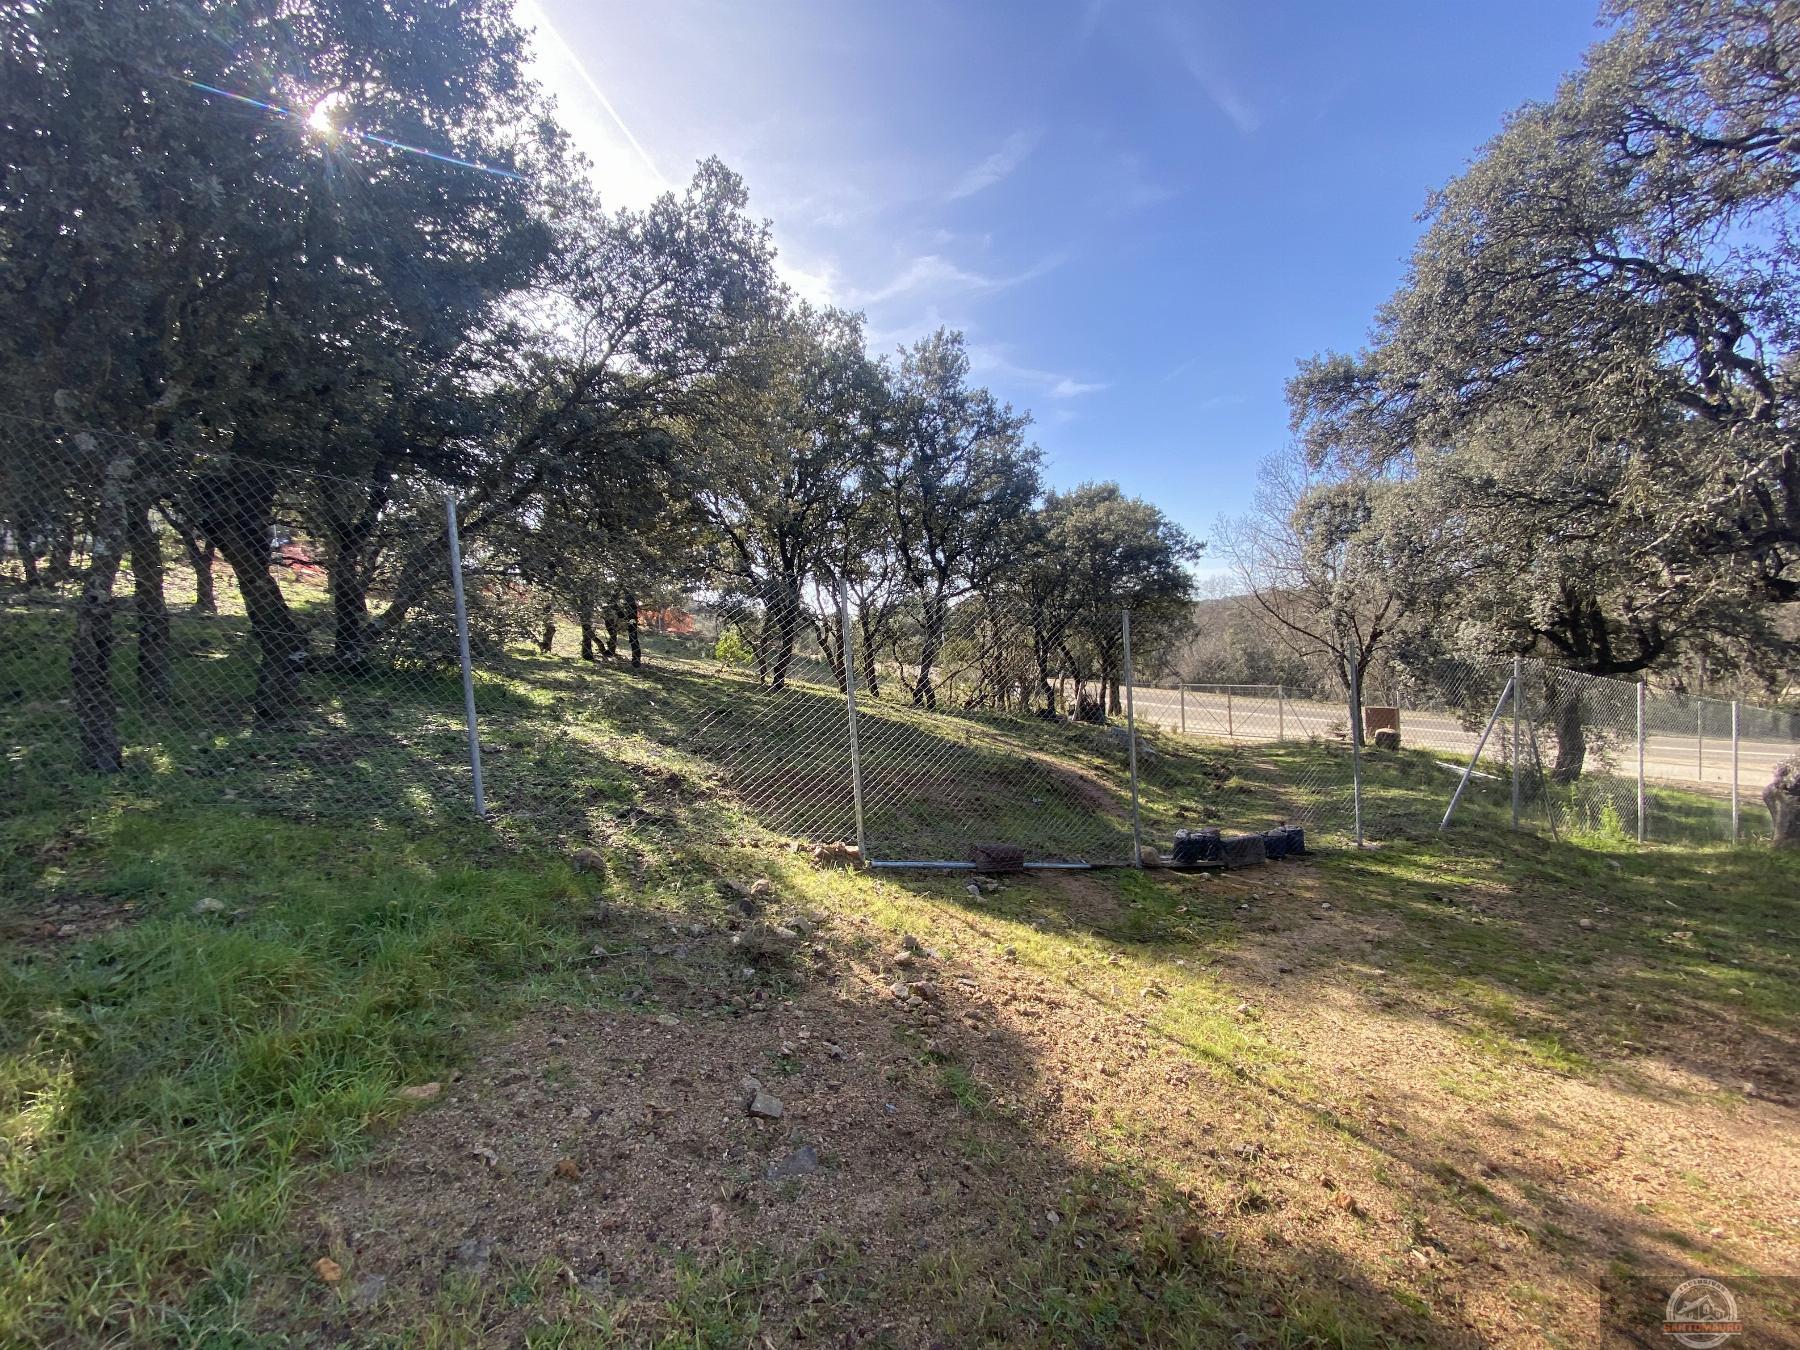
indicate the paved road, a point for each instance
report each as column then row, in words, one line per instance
column 1260, row 717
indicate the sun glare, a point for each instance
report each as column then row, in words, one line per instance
column 319, row 121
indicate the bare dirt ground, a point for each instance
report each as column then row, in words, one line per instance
column 1311, row 1137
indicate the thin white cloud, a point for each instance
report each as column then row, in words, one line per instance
column 1000, row 165
column 816, row 285
column 1202, row 62
column 932, row 273
column 995, row 362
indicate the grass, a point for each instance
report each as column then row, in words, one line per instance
column 167, row 1089
column 221, row 969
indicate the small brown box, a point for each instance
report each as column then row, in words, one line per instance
column 1377, row 719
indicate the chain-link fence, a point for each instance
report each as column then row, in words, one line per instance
column 159, row 622
column 199, row 626
column 1515, row 743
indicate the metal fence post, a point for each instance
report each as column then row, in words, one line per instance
column 856, row 787
column 1280, row 713
column 1518, row 683
column 1734, row 771
column 1181, row 694
column 1353, row 677
column 462, row 649
column 1700, row 740
column 1640, row 761
column 1230, row 731
column 1137, row 833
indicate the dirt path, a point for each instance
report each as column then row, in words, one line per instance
column 1328, row 1140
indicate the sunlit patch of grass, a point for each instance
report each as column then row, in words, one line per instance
column 168, row 1089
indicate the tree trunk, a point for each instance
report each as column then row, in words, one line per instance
column 1113, row 704
column 60, row 566
column 870, row 682
column 27, row 555
column 151, row 608
column 240, row 512
column 924, row 695
column 785, row 620
column 547, row 635
column 349, row 528
column 351, row 632
column 200, row 554
column 90, row 653
column 1782, row 797
column 588, row 651
column 631, row 630
column 1040, row 651
column 1571, row 738
column 610, row 620
column 206, row 590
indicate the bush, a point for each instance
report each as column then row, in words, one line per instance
column 731, row 649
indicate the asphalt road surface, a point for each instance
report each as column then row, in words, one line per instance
column 1263, row 717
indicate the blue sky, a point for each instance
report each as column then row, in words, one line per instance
column 1142, row 214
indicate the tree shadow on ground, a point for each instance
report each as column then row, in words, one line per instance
column 1559, row 1183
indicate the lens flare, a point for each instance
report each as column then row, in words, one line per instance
column 319, row 121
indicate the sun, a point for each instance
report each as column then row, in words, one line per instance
column 320, row 121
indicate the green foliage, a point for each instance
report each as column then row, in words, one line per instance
column 731, row 649
column 1583, row 384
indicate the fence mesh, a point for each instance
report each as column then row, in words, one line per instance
column 224, row 629
column 165, row 612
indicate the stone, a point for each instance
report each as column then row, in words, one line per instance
column 588, row 860
column 206, row 904
column 911, row 944
column 761, row 941
column 836, row 854
column 765, row 1105
column 421, row 1092
column 667, row 1020
column 799, row 1163
column 474, row 1256
column 1586, row 925
column 328, row 1270
column 567, row 1169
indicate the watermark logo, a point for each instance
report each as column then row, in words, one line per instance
column 1701, row 1314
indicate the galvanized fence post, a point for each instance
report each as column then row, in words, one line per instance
column 1230, row 731
column 1280, row 713
column 1734, row 771
column 1354, row 679
column 1181, row 695
column 1137, row 832
column 1640, row 761
column 462, row 651
column 1700, row 740
column 1518, row 684
column 856, row 786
